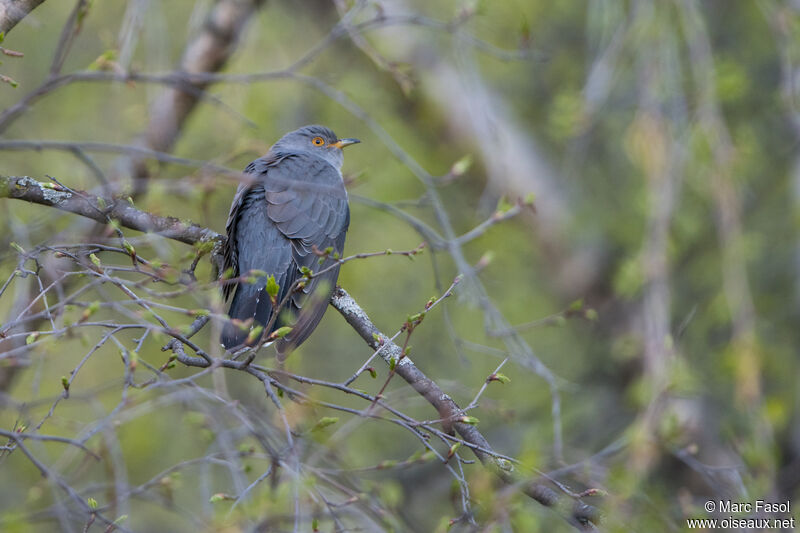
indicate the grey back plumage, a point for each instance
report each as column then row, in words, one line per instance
column 296, row 202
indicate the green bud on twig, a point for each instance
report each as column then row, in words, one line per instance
column 325, row 422
column 497, row 376
column 254, row 334
column 272, row 288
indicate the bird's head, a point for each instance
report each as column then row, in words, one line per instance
column 317, row 140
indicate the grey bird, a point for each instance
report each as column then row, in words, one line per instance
column 294, row 208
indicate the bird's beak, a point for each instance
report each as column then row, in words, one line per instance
column 341, row 143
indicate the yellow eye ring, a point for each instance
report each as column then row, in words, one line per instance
column 318, row 141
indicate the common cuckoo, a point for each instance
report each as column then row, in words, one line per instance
column 282, row 221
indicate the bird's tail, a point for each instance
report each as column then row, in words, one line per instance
column 243, row 307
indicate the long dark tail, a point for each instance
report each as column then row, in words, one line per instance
column 243, row 307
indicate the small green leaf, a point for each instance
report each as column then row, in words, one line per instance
column 307, row 272
column 92, row 503
column 416, row 456
column 461, row 166
column 388, row 463
column 129, row 248
column 30, row 339
column 204, row 247
column 577, row 305
column 95, row 260
column 392, row 363
column 502, row 378
column 104, row 60
column 325, row 422
column 315, row 525
column 427, row 456
column 416, row 318
column 485, row 259
column 592, row 315
column 272, row 288
column 452, row 451
column 254, row 334
column 280, row 332
column 503, row 205
column 65, row 383
column 219, row 497
column 372, row 372
column 471, row 420
column 93, row 307
column 17, row 247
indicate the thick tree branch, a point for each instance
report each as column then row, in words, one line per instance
column 12, row 11
column 580, row 515
column 102, row 209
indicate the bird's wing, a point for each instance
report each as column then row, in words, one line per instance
column 230, row 253
column 307, row 201
column 253, row 243
column 230, row 258
column 259, row 245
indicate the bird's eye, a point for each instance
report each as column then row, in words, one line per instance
column 318, row 141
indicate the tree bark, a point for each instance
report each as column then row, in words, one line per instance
column 12, row 11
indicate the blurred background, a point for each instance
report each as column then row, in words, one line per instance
column 646, row 304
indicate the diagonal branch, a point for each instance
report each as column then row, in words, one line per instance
column 102, row 209
column 579, row 514
column 13, row 11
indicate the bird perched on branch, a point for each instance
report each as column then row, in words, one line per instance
column 291, row 218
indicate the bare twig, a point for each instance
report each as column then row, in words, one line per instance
column 582, row 516
column 577, row 513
